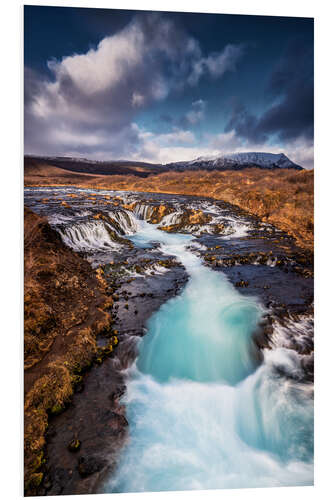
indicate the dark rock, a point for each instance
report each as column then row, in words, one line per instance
column 118, row 393
column 242, row 284
column 59, row 478
column 117, row 423
column 47, row 484
column 89, row 465
column 74, row 445
column 79, row 387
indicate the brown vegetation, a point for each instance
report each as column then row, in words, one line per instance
column 282, row 197
column 64, row 309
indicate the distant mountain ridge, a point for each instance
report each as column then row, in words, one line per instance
column 236, row 161
column 94, row 167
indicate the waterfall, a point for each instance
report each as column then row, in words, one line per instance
column 97, row 235
column 143, row 211
column 171, row 219
column 89, row 236
column 207, row 408
column 126, row 220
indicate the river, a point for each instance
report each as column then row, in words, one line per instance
column 208, row 405
column 204, row 410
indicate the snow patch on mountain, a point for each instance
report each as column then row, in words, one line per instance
column 238, row 160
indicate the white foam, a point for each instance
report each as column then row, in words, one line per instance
column 126, row 220
column 292, row 332
column 89, row 236
column 171, row 219
column 242, row 427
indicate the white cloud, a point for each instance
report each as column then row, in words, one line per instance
column 217, row 64
column 89, row 107
column 226, row 142
column 196, row 113
column 178, row 145
column 177, row 136
column 96, row 95
column 106, row 66
column 181, row 146
column 69, row 138
column 137, row 100
column 151, row 151
column 300, row 150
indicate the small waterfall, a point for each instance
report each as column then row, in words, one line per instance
column 293, row 334
column 56, row 219
column 142, row 211
column 126, row 220
column 236, row 227
column 89, row 236
column 197, row 230
column 207, row 408
column 171, row 219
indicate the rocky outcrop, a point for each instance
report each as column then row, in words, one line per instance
column 281, row 197
column 65, row 307
column 187, row 220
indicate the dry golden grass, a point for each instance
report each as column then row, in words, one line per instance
column 64, row 310
column 281, row 197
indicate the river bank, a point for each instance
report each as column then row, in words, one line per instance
column 141, row 272
column 65, row 306
column 281, row 197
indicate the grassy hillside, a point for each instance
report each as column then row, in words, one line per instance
column 140, row 169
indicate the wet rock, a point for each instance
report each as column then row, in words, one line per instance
column 74, row 445
column 51, row 433
column 242, row 284
column 89, row 465
column 79, row 387
column 47, row 483
column 117, row 423
column 111, row 425
column 59, row 478
column 118, row 393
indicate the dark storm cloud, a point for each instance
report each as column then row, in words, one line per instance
column 290, row 88
column 91, row 101
column 32, row 85
column 194, row 115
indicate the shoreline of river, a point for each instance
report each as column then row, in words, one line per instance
column 247, row 205
column 127, row 297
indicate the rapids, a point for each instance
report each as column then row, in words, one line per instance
column 206, row 408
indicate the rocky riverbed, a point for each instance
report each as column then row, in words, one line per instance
column 85, row 442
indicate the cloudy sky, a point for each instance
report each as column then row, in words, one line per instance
column 160, row 87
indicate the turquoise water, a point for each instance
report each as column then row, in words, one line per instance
column 203, row 335
column 206, row 409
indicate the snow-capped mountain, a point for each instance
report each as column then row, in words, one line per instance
column 236, row 161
